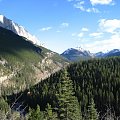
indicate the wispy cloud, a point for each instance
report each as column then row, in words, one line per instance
column 101, row 2
column 107, row 37
column 45, row 28
column 81, row 34
column 78, row 35
column 58, row 31
column 73, row 34
column 84, row 29
column 81, row 5
column 96, row 34
column 64, row 25
column 104, row 45
column 94, row 10
column 109, row 25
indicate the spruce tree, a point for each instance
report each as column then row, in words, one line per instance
column 49, row 113
column 35, row 114
column 68, row 106
column 92, row 112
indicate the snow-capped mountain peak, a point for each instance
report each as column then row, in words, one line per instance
column 67, row 51
column 1, row 18
column 114, row 51
column 18, row 29
column 74, row 54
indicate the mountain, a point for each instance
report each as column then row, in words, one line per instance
column 73, row 54
column 19, row 30
column 23, row 63
column 99, row 54
column 114, row 52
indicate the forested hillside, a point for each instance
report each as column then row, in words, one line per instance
column 23, row 64
column 87, row 90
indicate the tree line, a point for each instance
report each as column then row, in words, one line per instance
column 86, row 90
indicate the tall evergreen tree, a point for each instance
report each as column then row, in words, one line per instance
column 50, row 115
column 92, row 112
column 35, row 114
column 68, row 108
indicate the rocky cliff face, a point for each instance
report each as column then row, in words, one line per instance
column 19, row 30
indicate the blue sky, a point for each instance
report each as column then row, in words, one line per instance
column 61, row 24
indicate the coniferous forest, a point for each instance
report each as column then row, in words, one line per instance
column 86, row 90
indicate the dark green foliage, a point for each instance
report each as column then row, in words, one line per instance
column 100, row 78
column 35, row 114
column 73, row 88
column 68, row 108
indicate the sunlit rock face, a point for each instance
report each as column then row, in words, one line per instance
column 20, row 30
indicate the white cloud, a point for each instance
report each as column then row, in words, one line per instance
column 85, row 29
column 102, row 2
column 45, row 28
column 107, row 38
column 95, row 10
column 109, row 25
column 105, row 44
column 73, row 34
column 96, row 34
column 81, row 5
column 80, row 34
column 58, row 31
column 64, row 25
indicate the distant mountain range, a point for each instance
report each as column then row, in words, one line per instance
column 77, row 54
column 71, row 54
column 114, row 52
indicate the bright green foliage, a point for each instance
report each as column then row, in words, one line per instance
column 3, row 105
column 35, row 114
column 68, row 108
column 92, row 112
column 49, row 112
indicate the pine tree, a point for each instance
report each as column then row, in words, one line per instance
column 35, row 114
column 92, row 112
column 49, row 113
column 68, row 107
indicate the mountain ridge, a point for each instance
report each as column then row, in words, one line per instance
column 23, row 63
column 17, row 29
column 76, row 54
